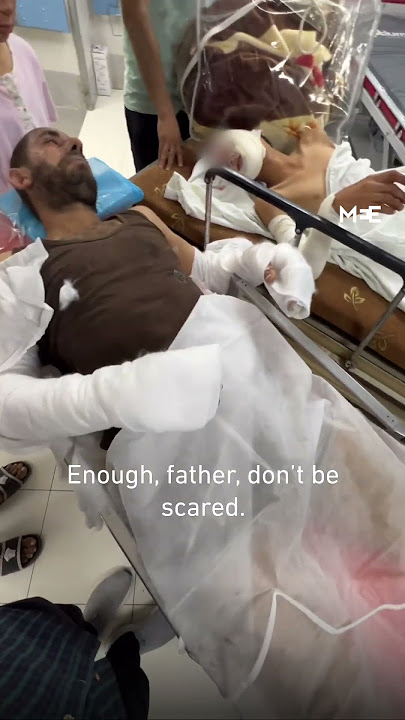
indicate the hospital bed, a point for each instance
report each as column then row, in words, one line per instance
column 383, row 94
column 345, row 310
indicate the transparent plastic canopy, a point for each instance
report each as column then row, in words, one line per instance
column 275, row 65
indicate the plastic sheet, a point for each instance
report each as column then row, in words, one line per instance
column 11, row 238
column 115, row 194
column 283, row 601
column 276, row 65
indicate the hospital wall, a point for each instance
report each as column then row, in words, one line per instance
column 68, row 69
column 57, row 54
column 109, row 30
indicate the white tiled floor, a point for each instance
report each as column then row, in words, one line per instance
column 75, row 559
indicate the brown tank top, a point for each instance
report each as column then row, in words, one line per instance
column 133, row 297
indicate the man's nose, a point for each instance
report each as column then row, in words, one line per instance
column 76, row 145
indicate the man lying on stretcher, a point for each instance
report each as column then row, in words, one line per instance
column 122, row 274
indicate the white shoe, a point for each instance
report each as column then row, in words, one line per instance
column 105, row 601
column 152, row 632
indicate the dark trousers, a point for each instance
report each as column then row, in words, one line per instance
column 133, row 684
column 123, row 655
column 142, row 130
column 125, row 660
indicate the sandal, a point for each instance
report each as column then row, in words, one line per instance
column 9, row 484
column 11, row 551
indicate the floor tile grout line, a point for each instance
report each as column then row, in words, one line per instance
column 53, row 476
column 40, row 534
column 30, row 489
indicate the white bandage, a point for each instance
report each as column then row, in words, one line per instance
column 282, row 229
column 245, row 144
column 155, row 393
column 315, row 247
column 293, row 288
column 250, row 148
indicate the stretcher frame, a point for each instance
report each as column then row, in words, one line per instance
column 384, row 111
column 343, row 376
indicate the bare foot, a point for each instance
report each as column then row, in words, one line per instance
column 28, row 550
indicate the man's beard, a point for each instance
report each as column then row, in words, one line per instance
column 66, row 184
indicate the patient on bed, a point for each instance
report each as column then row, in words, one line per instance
column 324, row 179
column 119, row 288
column 307, row 176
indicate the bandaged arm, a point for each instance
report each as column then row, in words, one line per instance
column 315, row 247
column 157, row 392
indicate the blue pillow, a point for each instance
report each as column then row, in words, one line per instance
column 115, row 194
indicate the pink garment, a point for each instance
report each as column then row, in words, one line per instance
column 25, row 103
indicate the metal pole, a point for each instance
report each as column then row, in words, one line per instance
column 80, row 22
column 297, row 237
column 208, row 207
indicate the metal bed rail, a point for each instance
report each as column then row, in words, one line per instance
column 305, row 220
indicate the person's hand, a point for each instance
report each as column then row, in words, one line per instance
column 377, row 190
column 270, row 274
column 170, row 151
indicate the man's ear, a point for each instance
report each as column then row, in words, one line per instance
column 20, row 178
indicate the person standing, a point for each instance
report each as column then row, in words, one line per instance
column 25, row 103
column 156, row 121
column 48, row 665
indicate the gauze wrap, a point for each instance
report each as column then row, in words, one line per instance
column 293, row 288
column 247, row 144
column 314, row 247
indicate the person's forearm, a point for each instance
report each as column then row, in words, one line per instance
column 266, row 212
column 316, row 246
column 146, row 48
column 156, row 392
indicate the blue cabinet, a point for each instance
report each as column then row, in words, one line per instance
column 107, row 7
column 43, row 14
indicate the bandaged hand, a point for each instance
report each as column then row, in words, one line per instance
column 270, row 276
column 292, row 285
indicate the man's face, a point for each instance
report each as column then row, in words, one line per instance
column 59, row 169
column 7, row 18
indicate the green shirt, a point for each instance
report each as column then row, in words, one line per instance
column 169, row 19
